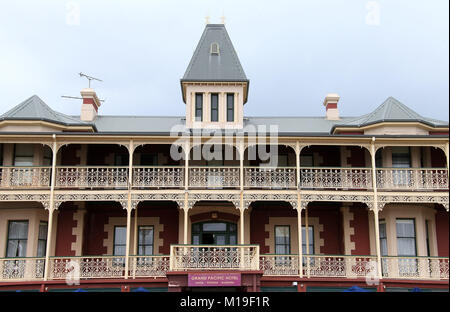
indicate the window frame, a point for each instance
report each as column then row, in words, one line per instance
column 114, row 240
column 214, row 110
column 415, row 236
column 383, row 221
column 311, row 250
column 145, row 245
column 230, row 107
column 8, row 238
column 198, row 107
column 284, row 244
column 40, row 239
column 23, row 156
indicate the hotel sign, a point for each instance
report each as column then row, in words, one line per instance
column 214, row 279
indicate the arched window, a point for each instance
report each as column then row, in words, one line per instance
column 215, row 48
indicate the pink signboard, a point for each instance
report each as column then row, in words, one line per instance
column 214, row 279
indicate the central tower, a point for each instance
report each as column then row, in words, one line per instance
column 214, row 85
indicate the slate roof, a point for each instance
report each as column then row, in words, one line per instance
column 391, row 110
column 34, row 108
column 205, row 66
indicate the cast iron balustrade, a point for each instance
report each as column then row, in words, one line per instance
column 91, row 177
column 279, row 265
column 16, row 269
column 214, row 257
column 270, row 177
column 434, row 268
column 335, row 178
column 412, row 179
column 340, row 266
column 158, row 177
column 25, row 177
column 214, row 177
column 149, row 266
column 87, row 267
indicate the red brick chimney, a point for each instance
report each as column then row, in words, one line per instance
column 91, row 103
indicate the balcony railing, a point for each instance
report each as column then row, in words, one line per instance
column 335, row 178
column 214, row 177
column 25, row 177
column 412, row 178
column 86, row 267
column 279, row 265
column 339, row 266
column 14, row 269
column 434, row 268
column 214, row 257
column 270, row 177
column 149, row 266
column 91, row 177
column 158, row 177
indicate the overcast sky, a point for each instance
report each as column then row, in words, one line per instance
column 293, row 52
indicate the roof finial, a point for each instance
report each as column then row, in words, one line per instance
column 223, row 18
column 207, row 19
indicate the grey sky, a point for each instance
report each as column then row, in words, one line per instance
column 293, row 52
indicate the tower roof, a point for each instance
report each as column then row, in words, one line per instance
column 207, row 66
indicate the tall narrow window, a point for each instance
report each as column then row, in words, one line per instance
column 282, row 240
column 199, row 107
column 379, row 159
column 47, row 161
column 23, row 154
column 120, row 240
column 383, row 238
column 17, row 239
column 230, row 107
column 214, row 107
column 214, row 48
column 145, row 244
column 406, row 237
column 42, row 239
column 310, row 238
column 406, row 247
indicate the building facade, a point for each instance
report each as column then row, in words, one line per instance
column 218, row 199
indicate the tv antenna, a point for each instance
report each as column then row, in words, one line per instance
column 90, row 78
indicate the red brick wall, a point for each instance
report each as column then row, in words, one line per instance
column 437, row 158
column 360, row 224
column 65, row 224
column 442, row 232
column 357, row 156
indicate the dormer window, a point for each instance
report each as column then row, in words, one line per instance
column 215, row 48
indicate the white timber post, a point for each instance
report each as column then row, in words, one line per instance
column 299, row 227
column 50, row 211
column 375, row 208
column 129, row 208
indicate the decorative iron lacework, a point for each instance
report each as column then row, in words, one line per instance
column 176, row 197
column 195, row 197
column 44, row 199
column 290, row 198
column 122, row 198
column 307, row 198
column 437, row 199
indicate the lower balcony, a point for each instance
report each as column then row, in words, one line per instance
column 216, row 258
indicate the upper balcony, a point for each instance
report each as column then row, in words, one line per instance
column 321, row 168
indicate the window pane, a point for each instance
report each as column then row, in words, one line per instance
column 120, row 235
column 406, row 247
column 405, row 228
column 230, row 107
column 12, row 248
column 119, row 250
column 42, row 244
column 233, row 240
column 195, row 240
column 24, row 150
column 198, row 106
column 306, row 161
column 214, row 107
column 281, row 249
column 382, row 228
column 42, row 230
column 219, row 227
column 18, row 230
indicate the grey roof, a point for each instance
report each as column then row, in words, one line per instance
column 205, row 66
column 389, row 111
column 34, row 108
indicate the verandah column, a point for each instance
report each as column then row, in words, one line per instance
column 375, row 207
column 129, row 207
column 50, row 210
column 299, row 233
